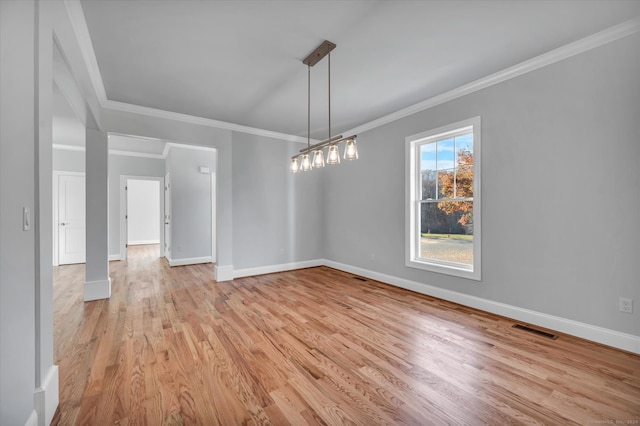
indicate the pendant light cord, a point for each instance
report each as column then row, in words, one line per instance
column 329, row 86
column 308, row 106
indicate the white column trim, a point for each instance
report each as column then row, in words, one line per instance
column 96, row 290
column 223, row 273
column 46, row 398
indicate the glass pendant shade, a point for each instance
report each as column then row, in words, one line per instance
column 333, row 155
column 351, row 150
column 318, row 159
column 305, row 164
column 295, row 165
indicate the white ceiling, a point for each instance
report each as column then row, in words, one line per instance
column 240, row 61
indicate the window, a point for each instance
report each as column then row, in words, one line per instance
column 443, row 199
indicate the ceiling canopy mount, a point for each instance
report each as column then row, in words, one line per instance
column 320, row 52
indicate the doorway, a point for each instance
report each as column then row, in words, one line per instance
column 141, row 213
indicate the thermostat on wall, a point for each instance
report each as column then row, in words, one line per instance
column 204, row 169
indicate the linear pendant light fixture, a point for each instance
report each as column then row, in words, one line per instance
column 303, row 161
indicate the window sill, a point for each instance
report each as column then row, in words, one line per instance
column 456, row 271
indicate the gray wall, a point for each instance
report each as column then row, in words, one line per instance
column 68, row 161
column 560, row 179
column 277, row 215
column 125, row 165
column 17, row 190
column 190, row 202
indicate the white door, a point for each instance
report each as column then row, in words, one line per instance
column 71, row 219
column 167, row 217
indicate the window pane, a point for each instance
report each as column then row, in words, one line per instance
column 428, row 156
column 447, row 231
column 428, row 185
column 464, row 182
column 445, row 184
column 464, row 150
column 445, row 154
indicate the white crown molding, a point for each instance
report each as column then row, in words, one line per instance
column 191, row 119
column 196, row 147
column 68, row 147
column 170, row 145
column 120, row 152
column 590, row 42
column 163, row 156
column 137, row 154
column 76, row 15
column 137, row 137
column 166, row 150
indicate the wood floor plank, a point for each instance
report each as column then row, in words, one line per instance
column 313, row 347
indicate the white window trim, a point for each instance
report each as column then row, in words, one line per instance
column 412, row 195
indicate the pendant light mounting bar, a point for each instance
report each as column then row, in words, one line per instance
column 333, row 141
column 321, row 144
column 320, row 52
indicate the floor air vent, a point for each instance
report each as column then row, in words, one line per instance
column 536, row 331
column 359, row 278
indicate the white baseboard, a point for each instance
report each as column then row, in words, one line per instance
column 247, row 272
column 223, row 273
column 113, row 257
column 46, row 397
column 33, row 419
column 190, row 261
column 143, row 242
column 96, row 290
column 616, row 339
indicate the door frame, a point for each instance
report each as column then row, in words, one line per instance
column 56, row 213
column 166, row 218
column 214, row 206
column 123, row 211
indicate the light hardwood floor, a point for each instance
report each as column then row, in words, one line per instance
column 314, row 346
